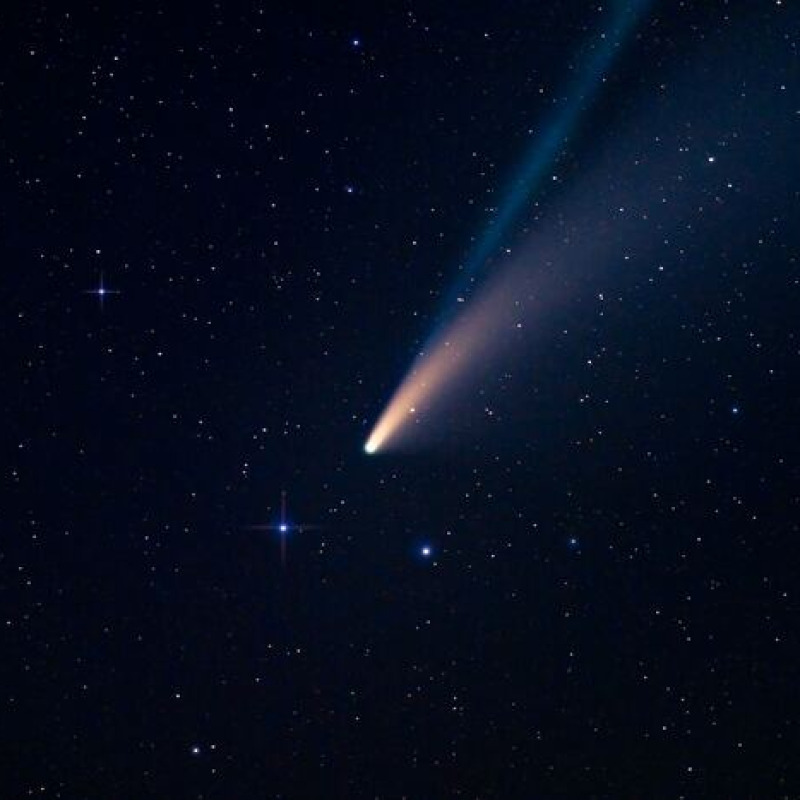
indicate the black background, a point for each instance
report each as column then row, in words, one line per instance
column 278, row 197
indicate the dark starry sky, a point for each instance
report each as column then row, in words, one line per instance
column 277, row 200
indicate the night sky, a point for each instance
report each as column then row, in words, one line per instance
column 227, row 231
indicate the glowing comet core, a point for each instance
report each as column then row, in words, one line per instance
column 490, row 323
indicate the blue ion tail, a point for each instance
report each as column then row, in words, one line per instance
column 546, row 147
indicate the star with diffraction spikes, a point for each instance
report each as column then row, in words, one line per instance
column 101, row 291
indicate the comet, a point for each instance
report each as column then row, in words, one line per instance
column 463, row 339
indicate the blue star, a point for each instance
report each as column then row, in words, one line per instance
column 101, row 292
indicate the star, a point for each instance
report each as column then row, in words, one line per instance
column 101, row 292
column 284, row 526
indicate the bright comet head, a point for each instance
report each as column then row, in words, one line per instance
column 458, row 352
column 386, row 425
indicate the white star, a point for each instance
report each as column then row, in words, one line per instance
column 101, row 292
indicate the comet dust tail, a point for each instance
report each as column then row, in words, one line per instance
column 458, row 354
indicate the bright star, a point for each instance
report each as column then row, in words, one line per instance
column 101, row 292
column 284, row 527
column 426, row 551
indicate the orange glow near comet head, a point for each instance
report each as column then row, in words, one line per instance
column 488, row 323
